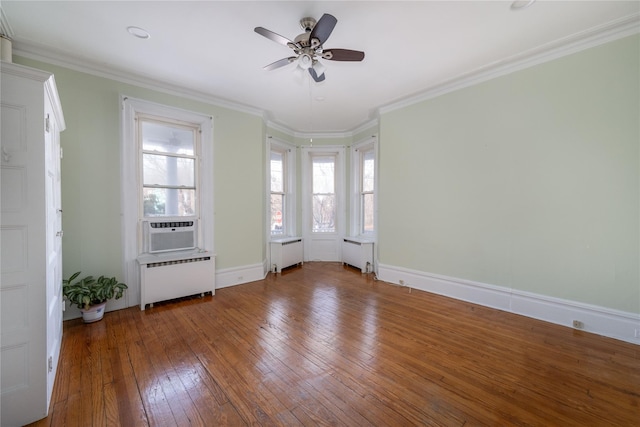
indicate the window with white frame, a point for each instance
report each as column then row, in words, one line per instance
column 281, row 170
column 364, row 188
column 166, row 157
column 169, row 158
column 323, row 194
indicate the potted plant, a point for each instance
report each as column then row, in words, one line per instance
column 91, row 295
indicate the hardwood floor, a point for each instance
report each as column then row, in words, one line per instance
column 325, row 345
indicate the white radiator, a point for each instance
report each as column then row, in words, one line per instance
column 164, row 277
column 285, row 252
column 358, row 253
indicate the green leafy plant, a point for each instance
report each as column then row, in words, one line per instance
column 88, row 291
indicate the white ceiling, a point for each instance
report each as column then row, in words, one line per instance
column 208, row 49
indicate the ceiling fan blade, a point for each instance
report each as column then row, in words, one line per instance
column 323, row 28
column 342, row 55
column 316, row 77
column 280, row 63
column 273, row 36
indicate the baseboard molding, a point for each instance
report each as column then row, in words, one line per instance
column 611, row 323
column 239, row 275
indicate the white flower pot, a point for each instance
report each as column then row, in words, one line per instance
column 94, row 313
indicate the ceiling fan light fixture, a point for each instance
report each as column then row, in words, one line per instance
column 305, row 61
column 319, row 67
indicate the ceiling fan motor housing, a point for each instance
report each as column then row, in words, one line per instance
column 307, row 24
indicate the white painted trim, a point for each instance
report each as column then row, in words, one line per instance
column 598, row 320
column 592, row 37
column 55, row 57
column 306, row 135
column 319, row 135
column 371, row 124
column 129, row 173
column 5, row 27
column 559, row 48
column 239, row 275
column 290, row 158
column 47, row 79
column 309, row 238
column 355, row 176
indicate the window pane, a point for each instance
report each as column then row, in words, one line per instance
column 277, row 172
column 324, row 213
column 277, row 208
column 367, row 213
column 323, row 175
column 169, row 202
column 167, row 139
column 168, row 170
column 368, row 170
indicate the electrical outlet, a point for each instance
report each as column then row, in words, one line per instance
column 578, row 324
column 240, row 278
column 401, row 282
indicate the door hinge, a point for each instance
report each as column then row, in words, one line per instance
column 47, row 124
column 50, row 363
column 61, row 153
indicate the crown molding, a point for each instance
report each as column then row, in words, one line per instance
column 50, row 56
column 5, row 27
column 596, row 36
column 328, row 135
column 280, row 128
column 366, row 126
column 593, row 37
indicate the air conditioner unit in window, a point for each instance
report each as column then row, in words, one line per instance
column 165, row 236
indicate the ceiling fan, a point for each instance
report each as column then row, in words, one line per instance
column 308, row 46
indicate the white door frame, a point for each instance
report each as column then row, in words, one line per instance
column 323, row 246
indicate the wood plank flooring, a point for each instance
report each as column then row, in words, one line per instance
column 324, row 345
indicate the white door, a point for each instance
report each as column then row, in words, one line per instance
column 53, row 274
column 30, row 285
column 323, row 201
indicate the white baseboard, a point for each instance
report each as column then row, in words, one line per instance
column 604, row 321
column 239, row 275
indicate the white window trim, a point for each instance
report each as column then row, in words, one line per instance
column 130, row 176
column 307, row 153
column 356, row 177
column 197, row 154
column 290, row 186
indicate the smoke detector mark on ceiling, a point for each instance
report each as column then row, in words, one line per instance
column 138, row 32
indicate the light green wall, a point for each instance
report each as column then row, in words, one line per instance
column 91, row 173
column 529, row 181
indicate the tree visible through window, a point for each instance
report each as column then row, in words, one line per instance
column 323, row 194
column 277, row 192
column 367, row 190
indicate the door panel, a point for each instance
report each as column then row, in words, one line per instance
column 323, row 202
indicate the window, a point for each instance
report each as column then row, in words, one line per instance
column 367, row 190
column 166, row 157
column 281, row 189
column 323, row 184
column 364, row 188
column 277, row 192
column 169, row 159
